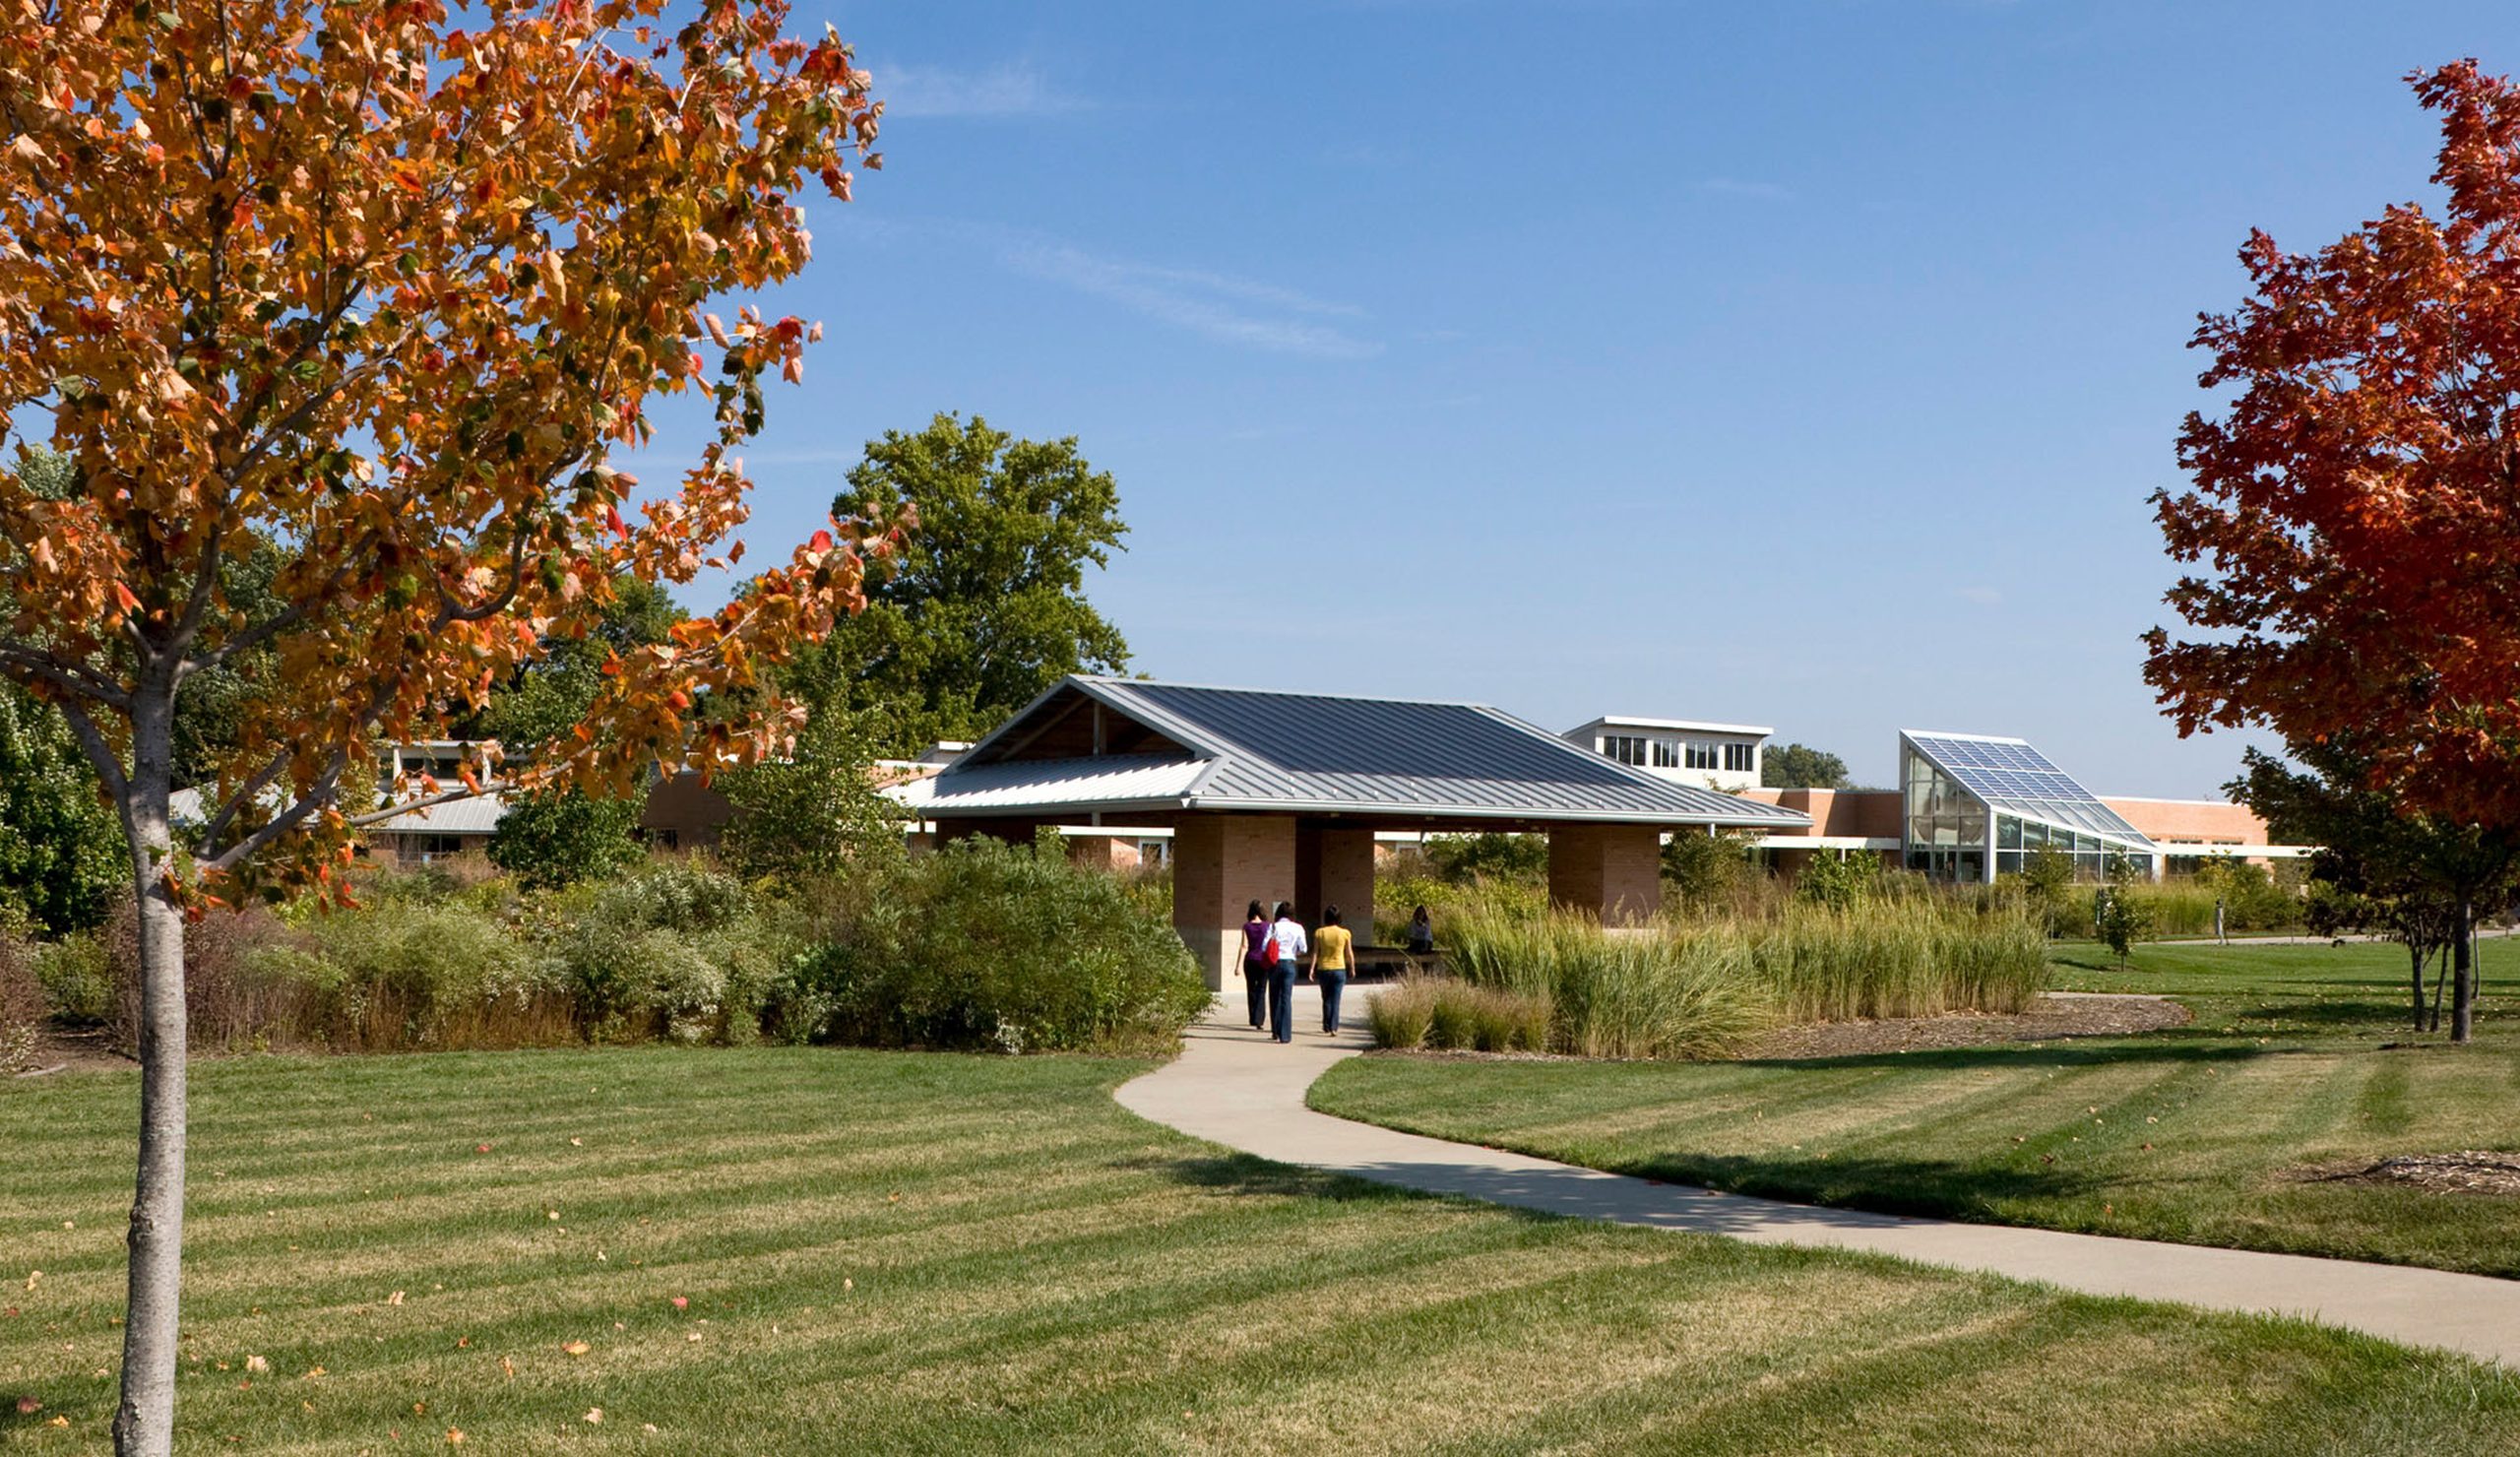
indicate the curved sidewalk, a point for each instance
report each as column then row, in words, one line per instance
column 1234, row 1086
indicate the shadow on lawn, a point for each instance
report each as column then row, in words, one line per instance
column 1665, row 1193
column 1898, row 1186
column 1246, row 1174
column 2169, row 1045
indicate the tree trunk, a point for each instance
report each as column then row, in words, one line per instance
column 2462, row 975
column 144, row 1424
column 2415, row 954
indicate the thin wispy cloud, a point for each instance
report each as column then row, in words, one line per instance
column 1015, row 89
column 1221, row 306
column 1764, row 192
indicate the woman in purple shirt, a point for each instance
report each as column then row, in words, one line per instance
column 1255, row 972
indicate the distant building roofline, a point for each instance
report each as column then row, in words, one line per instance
column 1626, row 720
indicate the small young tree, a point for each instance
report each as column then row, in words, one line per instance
column 1838, row 881
column 2408, row 874
column 378, row 287
column 2119, row 918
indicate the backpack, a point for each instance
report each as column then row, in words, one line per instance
column 1269, row 948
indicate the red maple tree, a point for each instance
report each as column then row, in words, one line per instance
column 2354, row 512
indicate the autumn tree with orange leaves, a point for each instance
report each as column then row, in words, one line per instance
column 2354, row 516
column 381, row 289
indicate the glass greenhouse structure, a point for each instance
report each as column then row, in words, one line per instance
column 1975, row 806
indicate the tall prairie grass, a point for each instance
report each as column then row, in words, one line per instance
column 1704, row 985
column 1615, row 994
column 1906, row 957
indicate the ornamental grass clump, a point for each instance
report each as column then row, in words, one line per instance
column 1615, row 994
column 1449, row 1016
column 1909, row 958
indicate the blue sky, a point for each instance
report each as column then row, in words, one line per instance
column 1793, row 364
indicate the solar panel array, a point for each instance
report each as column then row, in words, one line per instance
column 2015, row 778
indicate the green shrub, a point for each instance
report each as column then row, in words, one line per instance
column 677, row 951
column 984, row 945
column 406, row 974
column 78, row 983
column 22, row 1005
column 1829, row 880
column 1466, row 860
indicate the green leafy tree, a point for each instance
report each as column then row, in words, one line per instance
column 1800, row 767
column 1464, row 858
column 986, row 608
column 816, row 814
column 553, row 838
column 62, row 855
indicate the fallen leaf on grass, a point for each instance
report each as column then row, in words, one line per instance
column 478, row 1148
column 594, row 1416
column 577, row 1143
column 682, row 1303
column 59, row 1422
column 508, row 1366
column 257, row 1364
column 454, row 1436
column 395, row 1299
column 28, row 1406
column 34, row 1278
column 577, row 1348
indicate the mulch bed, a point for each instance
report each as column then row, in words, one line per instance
column 73, row 1052
column 2467, row 1172
column 2050, row 1017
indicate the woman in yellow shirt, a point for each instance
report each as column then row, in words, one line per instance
column 1333, row 959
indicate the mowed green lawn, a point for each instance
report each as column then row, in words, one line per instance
column 2203, row 1134
column 905, row 1254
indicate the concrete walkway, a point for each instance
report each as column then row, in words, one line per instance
column 1236, row 1087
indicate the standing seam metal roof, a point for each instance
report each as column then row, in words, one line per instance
column 1324, row 753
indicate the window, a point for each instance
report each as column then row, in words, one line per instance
column 1700, row 755
column 1625, row 748
column 1666, row 755
column 1738, row 756
column 1155, row 851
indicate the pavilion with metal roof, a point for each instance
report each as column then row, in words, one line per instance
column 1277, row 795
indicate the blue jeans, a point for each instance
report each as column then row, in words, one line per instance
column 1332, row 984
column 1282, row 1001
column 1256, row 986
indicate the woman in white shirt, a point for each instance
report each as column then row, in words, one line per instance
column 1288, row 932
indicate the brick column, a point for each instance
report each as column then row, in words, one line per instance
column 1614, row 871
column 1345, row 874
column 1221, row 863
